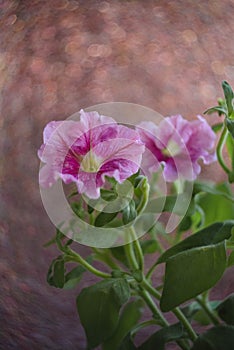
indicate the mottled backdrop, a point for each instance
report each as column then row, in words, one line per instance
column 59, row 56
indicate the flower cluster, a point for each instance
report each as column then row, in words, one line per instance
column 86, row 151
column 199, row 216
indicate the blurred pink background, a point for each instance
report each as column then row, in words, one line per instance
column 57, row 57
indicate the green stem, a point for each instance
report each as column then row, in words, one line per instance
column 144, row 197
column 73, row 256
column 137, row 246
column 177, row 312
column 150, row 289
column 151, row 270
column 205, row 306
column 155, row 310
column 103, row 256
column 158, row 315
column 220, row 149
column 143, row 325
column 129, row 251
column 181, row 317
column 146, row 294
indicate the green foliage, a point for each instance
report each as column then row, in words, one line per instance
column 192, row 265
column 230, row 126
column 226, row 310
column 194, row 311
column 228, row 93
column 201, row 316
column 98, row 307
column 210, row 235
column 56, row 273
column 104, row 218
column 159, row 339
column 216, row 338
column 119, row 254
column 108, row 195
column 129, row 212
column 127, row 344
column 192, row 272
column 204, row 256
column 222, row 190
column 216, row 202
column 231, row 259
column 73, row 277
column 149, row 246
column 128, row 319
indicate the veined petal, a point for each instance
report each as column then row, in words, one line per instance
column 120, row 169
column 178, row 144
column 89, row 183
column 120, row 149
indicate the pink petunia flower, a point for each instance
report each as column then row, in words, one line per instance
column 177, row 144
column 86, row 151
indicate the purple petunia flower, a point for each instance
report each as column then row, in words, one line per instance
column 86, row 151
column 177, row 144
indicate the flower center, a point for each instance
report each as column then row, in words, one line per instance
column 90, row 163
column 172, row 149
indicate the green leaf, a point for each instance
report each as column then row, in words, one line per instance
column 228, row 93
column 78, row 209
column 230, row 242
column 230, row 126
column 226, row 310
column 216, row 338
column 185, row 224
column 212, row 188
column 119, row 254
column 56, row 272
column 149, row 246
column 192, row 272
column 159, row 339
column 73, row 277
column 50, row 242
column 231, row 259
column 194, row 311
column 217, row 127
column 90, row 209
column 202, row 318
column 127, row 344
column 129, row 212
column 138, row 180
column 216, row 207
column 108, row 195
column 73, row 194
column 98, row 307
column 177, row 204
column 104, row 218
column 230, row 148
column 128, row 319
column 215, row 109
column 210, row 235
